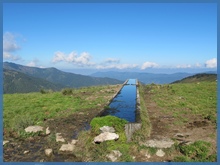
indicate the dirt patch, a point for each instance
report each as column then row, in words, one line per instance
column 69, row 127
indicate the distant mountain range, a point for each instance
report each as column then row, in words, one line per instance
column 23, row 79
column 18, row 77
column 146, row 78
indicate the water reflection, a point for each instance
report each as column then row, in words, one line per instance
column 124, row 104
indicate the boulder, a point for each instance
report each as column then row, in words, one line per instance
column 107, row 129
column 59, row 138
column 34, row 129
column 114, row 155
column 67, row 147
column 106, row 136
column 160, row 153
column 48, row 152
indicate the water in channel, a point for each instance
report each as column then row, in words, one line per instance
column 124, row 104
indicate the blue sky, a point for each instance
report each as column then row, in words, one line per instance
column 145, row 37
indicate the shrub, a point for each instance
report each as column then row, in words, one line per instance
column 20, row 122
column 67, row 91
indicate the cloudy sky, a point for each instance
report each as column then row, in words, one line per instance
column 142, row 37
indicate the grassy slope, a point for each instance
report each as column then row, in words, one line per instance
column 196, row 98
column 36, row 106
column 17, row 82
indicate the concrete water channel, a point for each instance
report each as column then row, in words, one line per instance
column 124, row 103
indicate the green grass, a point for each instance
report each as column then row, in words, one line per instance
column 185, row 98
column 196, row 152
column 34, row 108
column 86, row 149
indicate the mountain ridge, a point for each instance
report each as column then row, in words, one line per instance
column 55, row 76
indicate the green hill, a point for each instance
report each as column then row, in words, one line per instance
column 17, row 82
column 56, row 76
column 198, row 78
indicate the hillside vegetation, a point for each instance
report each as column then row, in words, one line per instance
column 17, row 82
column 198, row 78
column 53, row 78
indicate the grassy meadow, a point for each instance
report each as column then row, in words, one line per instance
column 179, row 100
column 21, row 110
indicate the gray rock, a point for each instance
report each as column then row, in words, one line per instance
column 59, row 138
column 26, row 152
column 48, row 152
column 107, row 129
column 34, row 129
column 67, row 147
column 160, row 153
column 5, row 142
column 114, row 155
column 163, row 143
column 47, row 131
column 73, row 142
column 106, row 136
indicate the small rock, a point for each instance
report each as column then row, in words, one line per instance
column 107, row 129
column 73, row 142
column 47, row 131
column 35, row 128
column 67, row 147
column 114, row 155
column 26, row 152
column 145, row 153
column 5, row 142
column 59, row 138
column 48, row 152
column 160, row 153
column 106, row 136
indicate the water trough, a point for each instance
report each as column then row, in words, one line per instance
column 126, row 105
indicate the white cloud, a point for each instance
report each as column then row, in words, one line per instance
column 34, row 63
column 9, row 56
column 84, row 59
column 184, row 66
column 9, row 47
column 212, row 63
column 112, row 60
column 117, row 66
column 31, row 64
column 149, row 65
column 198, row 65
column 9, row 43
